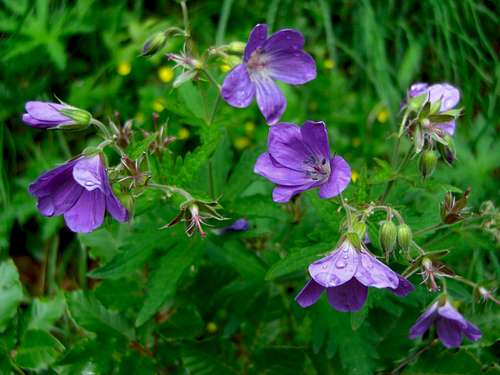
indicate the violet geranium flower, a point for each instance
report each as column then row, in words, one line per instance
column 298, row 159
column 79, row 190
column 448, row 94
column 346, row 275
column 279, row 57
column 46, row 115
column 450, row 325
column 240, row 225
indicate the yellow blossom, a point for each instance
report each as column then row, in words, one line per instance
column 165, row 73
column 354, row 176
column 211, row 327
column 158, row 106
column 329, row 64
column 241, row 143
column 249, row 127
column 224, row 68
column 383, row 115
column 124, row 68
column 183, row 134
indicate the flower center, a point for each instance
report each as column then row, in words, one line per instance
column 257, row 61
column 318, row 169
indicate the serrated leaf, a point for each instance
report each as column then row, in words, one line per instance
column 163, row 280
column 445, row 363
column 11, row 292
column 203, row 359
column 38, row 350
column 44, row 312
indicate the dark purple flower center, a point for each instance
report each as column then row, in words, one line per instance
column 318, row 169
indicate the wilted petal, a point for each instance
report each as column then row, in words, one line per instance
column 287, row 147
column 404, row 287
column 448, row 94
column 291, row 66
column 423, row 322
column 336, row 268
column 447, row 127
column 372, row 272
column 273, row 171
column 257, row 37
column 270, row 99
column 309, row 294
column 88, row 173
column 87, row 214
column 286, row 39
column 282, row 194
column 315, row 137
column 350, row 296
column 340, row 177
column 449, row 332
column 472, row 332
column 237, row 89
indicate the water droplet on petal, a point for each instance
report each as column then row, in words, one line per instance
column 340, row 264
column 345, row 256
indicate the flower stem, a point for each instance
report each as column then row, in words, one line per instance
column 169, row 190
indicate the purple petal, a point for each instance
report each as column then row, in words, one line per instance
column 287, row 147
column 116, row 209
column 309, row 294
column 404, row 287
column 337, row 268
column 33, row 122
column 237, row 89
column 257, row 37
column 65, row 196
column 282, row 194
column 239, row 225
column 315, row 137
column 448, row 94
column 88, row 212
column 418, row 89
column 447, row 311
column 270, row 99
column 286, row 39
column 423, row 322
column 44, row 185
column 350, row 296
column 291, row 66
column 447, row 127
column 340, row 177
column 45, row 111
column 88, row 173
column 372, row 272
column 472, row 332
column 273, row 171
column 449, row 333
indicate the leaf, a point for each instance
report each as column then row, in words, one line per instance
column 280, row 361
column 204, row 359
column 89, row 313
column 297, row 260
column 163, row 280
column 242, row 175
column 136, row 149
column 44, row 312
column 410, row 64
column 186, row 323
column 11, row 292
column 38, row 350
column 445, row 363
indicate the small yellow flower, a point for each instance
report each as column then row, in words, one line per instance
column 329, row 64
column 139, row 118
column 158, row 106
column 354, row 176
column 356, row 142
column 383, row 115
column 165, row 73
column 124, row 68
column 183, row 134
column 249, row 127
column 224, row 68
column 241, row 143
column 211, row 327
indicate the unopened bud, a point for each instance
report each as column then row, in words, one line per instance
column 81, row 118
column 237, row 47
column 448, row 153
column 404, row 237
column 388, row 236
column 428, row 162
column 154, row 44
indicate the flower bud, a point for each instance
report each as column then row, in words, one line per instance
column 448, row 153
column 154, row 44
column 404, row 237
column 81, row 118
column 236, row 47
column 388, row 236
column 428, row 162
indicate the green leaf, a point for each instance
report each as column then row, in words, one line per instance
column 297, row 260
column 204, row 359
column 38, row 350
column 186, row 323
column 163, row 280
column 136, row 149
column 44, row 312
column 280, row 361
column 445, row 363
column 11, row 292
column 89, row 313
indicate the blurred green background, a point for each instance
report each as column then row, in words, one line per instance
column 367, row 52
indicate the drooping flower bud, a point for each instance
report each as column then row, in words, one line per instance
column 404, row 237
column 154, row 44
column 447, row 152
column 388, row 236
column 46, row 115
column 428, row 162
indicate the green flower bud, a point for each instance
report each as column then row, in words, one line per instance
column 154, row 44
column 404, row 237
column 388, row 236
column 237, row 47
column 428, row 162
column 81, row 118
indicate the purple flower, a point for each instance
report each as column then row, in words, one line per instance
column 46, row 115
column 299, row 159
column 346, row 275
column 79, row 190
column 450, row 325
column 279, row 57
column 448, row 94
column 240, row 225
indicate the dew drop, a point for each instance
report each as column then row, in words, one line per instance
column 345, row 256
column 88, row 183
column 340, row 264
